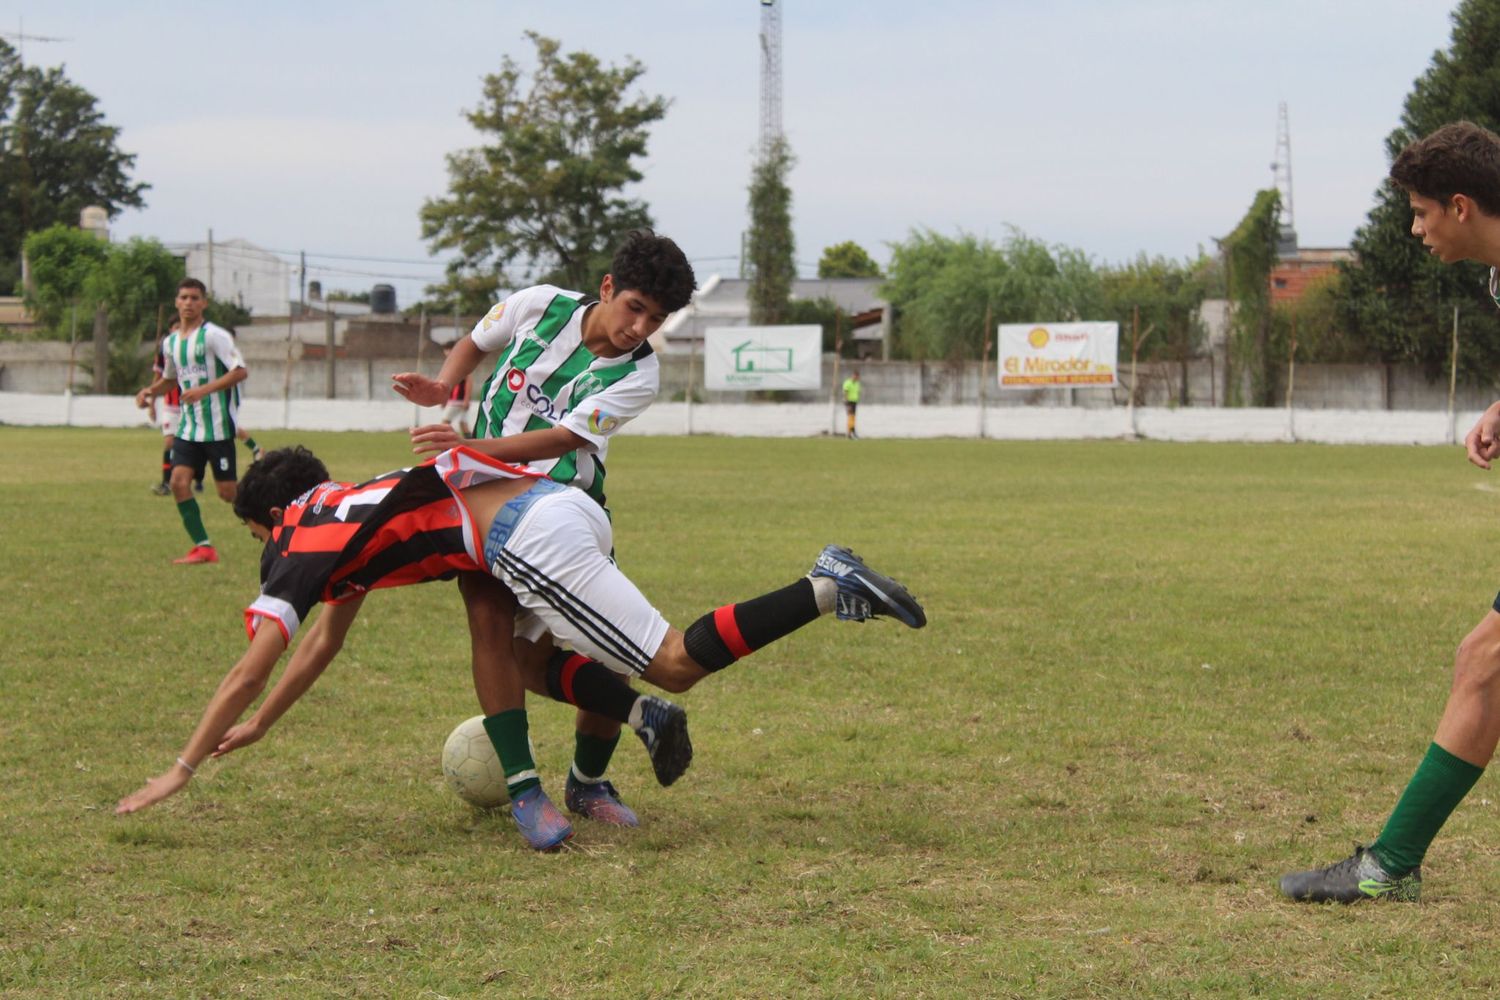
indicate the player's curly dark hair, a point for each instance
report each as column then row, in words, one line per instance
column 1459, row 158
column 276, row 480
column 654, row 266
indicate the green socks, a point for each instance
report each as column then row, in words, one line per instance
column 509, row 732
column 192, row 520
column 591, row 756
column 1440, row 784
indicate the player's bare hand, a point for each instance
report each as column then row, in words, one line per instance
column 1483, row 441
column 160, row 787
column 238, row 736
column 433, row 438
column 144, row 399
column 191, row 396
column 420, row 389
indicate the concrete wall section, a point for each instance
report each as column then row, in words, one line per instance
column 816, row 419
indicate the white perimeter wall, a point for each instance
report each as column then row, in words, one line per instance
column 813, row 419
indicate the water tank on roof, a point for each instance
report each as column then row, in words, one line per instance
column 94, row 219
column 383, row 300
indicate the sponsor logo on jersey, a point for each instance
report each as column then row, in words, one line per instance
column 514, row 379
column 541, row 404
column 602, row 423
column 493, row 316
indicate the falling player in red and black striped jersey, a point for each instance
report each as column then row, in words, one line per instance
column 548, row 543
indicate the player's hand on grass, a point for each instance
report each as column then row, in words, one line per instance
column 1483, row 441
column 160, row 787
column 238, row 736
column 420, row 389
column 433, row 438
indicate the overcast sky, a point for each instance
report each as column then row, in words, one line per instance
column 1112, row 126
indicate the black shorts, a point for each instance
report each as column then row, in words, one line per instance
column 217, row 455
column 850, row 407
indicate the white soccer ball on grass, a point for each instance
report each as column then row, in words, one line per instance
column 471, row 766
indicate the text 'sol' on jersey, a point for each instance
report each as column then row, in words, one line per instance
column 341, row 539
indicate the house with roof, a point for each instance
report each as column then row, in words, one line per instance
column 721, row 302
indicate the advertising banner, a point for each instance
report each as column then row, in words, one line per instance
column 763, row 357
column 1051, row 355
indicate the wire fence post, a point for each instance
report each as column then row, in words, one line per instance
column 1453, row 381
column 984, row 365
column 1291, row 380
column 286, row 376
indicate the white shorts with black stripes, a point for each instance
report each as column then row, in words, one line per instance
column 556, row 561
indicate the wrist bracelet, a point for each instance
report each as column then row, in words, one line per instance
column 190, row 768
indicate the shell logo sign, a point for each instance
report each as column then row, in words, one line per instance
column 1052, row 355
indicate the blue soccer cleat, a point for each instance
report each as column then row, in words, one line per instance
column 539, row 821
column 598, row 801
column 663, row 729
column 864, row 593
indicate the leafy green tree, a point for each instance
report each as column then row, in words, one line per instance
column 544, row 194
column 1250, row 253
column 847, row 260
column 1165, row 295
column 1399, row 300
column 63, row 262
column 772, row 250
column 942, row 288
column 57, row 156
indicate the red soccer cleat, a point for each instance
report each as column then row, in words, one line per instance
column 198, row 554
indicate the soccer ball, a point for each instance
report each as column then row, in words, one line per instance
column 471, row 766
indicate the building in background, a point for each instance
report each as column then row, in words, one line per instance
column 726, row 302
column 1293, row 272
column 238, row 271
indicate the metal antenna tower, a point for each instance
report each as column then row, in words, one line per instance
column 1281, row 172
column 21, row 38
column 770, row 75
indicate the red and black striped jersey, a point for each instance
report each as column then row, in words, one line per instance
column 342, row 539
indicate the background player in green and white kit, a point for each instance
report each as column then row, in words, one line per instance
column 202, row 360
column 571, row 371
column 1452, row 180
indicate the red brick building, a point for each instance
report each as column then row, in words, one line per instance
column 1293, row 273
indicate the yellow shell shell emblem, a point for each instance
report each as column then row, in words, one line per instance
column 1038, row 337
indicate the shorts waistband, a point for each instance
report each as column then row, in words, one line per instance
column 510, row 515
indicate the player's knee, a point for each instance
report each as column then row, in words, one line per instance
column 1476, row 665
column 672, row 669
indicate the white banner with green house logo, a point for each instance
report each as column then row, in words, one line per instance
column 1058, row 355
column 763, row 357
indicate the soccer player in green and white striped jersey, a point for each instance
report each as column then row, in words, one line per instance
column 203, row 361
column 1452, row 182
column 571, row 371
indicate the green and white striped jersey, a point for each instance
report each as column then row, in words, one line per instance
column 545, row 377
column 197, row 358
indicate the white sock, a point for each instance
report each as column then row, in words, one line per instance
column 825, row 591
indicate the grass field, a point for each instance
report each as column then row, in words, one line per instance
column 1156, row 676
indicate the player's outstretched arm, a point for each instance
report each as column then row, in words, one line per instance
column 528, row 446
column 319, row 645
column 245, row 680
column 1482, row 443
column 426, row 391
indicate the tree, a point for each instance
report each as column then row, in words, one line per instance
column 57, row 156
column 74, row 273
column 1250, row 253
column 544, row 196
column 1399, row 301
column 1166, row 296
column 942, row 288
column 847, row 260
column 772, row 251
